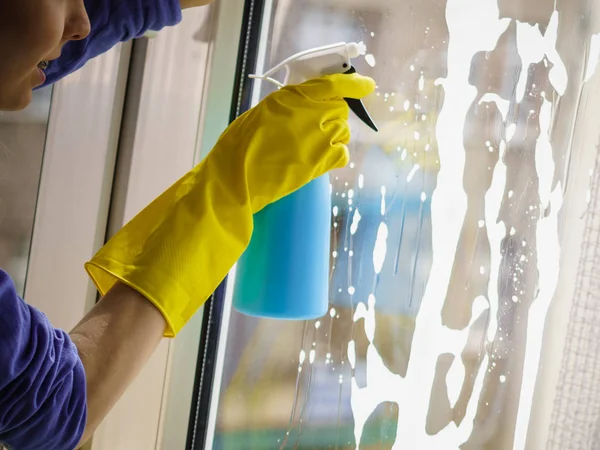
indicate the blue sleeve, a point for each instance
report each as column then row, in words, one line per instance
column 42, row 380
column 113, row 21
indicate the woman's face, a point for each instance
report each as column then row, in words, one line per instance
column 33, row 31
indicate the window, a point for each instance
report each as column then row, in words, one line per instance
column 448, row 231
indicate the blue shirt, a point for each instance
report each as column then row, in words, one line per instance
column 113, row 21
column 42, row 379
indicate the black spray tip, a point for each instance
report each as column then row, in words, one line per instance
column 357, row 107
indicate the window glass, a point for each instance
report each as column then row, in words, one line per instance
column 445, row 236
column 22, row 142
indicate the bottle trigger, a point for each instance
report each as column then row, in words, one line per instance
column 357, row 107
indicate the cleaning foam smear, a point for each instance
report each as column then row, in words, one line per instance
column 594, row 54
column 474, row 26
column 431, row 338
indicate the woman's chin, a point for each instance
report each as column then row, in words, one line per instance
column 15, row 100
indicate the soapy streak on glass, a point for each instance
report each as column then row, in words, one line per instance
column 439, row 228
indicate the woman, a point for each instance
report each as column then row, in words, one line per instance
column 55, row 388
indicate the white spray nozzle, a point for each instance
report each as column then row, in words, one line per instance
column 320, row 61
column 316, row 62
column 356, row 49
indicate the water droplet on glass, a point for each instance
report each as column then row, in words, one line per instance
column 302, row 356
column 380, row 249
column 412, row 172
column 370, row 59
column 510, row 131
column 355, row 220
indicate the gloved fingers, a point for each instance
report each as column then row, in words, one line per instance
column 339, row 108
column 337, row 86
column 337, row 157
column 337, row 131
column 330, row 111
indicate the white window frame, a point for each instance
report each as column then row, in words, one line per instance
column 173, row 116
column 214, row 118
column 75, row 186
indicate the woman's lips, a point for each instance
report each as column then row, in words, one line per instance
column 42, row 76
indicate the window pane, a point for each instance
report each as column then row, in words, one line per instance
column 445, row 239
column 22, row 141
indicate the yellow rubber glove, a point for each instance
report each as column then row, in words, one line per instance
column 180, row 247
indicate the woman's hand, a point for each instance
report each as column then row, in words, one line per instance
column 181, row 246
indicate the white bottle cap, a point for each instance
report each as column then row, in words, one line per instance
column 356, row 49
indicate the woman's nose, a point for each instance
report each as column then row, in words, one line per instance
column 78, row 25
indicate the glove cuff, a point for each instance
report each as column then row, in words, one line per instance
column 105, row 272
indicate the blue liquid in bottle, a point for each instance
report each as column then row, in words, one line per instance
column 284, row 272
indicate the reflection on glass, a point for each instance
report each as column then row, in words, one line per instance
column 444, row 233
column 22, row 141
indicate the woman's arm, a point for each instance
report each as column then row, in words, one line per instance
column 42, row 379
column 46, row 376
column 114, row 340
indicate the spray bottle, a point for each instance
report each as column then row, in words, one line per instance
column 284, row 272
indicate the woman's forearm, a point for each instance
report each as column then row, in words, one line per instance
column 114, row 340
